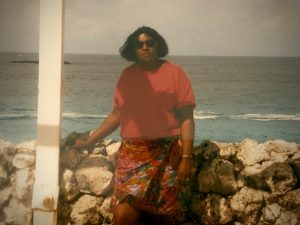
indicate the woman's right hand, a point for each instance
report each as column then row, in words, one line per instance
column 81, row 143
column 110, row 124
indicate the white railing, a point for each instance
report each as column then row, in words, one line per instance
column 46, row 187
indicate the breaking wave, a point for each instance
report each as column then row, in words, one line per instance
column 198, row 115
column 202, row 115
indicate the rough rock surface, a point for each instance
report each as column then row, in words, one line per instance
column 94, row 176
column 86, row 211
column 233, row 183
column 18, row 162
column 217, row 177
column 69, row 185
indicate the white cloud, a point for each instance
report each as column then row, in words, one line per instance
column 19, row 21
column 196, row 27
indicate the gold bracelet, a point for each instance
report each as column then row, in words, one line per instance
column 186, row 156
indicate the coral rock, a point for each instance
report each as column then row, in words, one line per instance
column 23, row 160
column 247, row 204
column 94, row 176
column 69, row 185
column 70, row 157
column 215, row 210
column 86, row 211
column 218, row 177
column 251, row 153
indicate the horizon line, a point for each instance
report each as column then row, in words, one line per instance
column 170, row 55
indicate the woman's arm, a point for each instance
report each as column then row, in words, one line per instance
column 186, row 115
column 109, row 125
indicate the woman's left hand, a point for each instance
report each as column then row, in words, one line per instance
column 184, row 170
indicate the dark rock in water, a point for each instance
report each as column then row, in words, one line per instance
column 25, row 61
column 32, row 61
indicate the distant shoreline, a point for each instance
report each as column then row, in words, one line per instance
column 170, row 55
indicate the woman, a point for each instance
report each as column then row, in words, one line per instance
column 153, row 105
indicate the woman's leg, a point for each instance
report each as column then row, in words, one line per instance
column 125, row 214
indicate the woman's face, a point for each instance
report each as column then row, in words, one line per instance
column 145, row 49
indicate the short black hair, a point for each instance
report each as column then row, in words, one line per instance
column 127, row 50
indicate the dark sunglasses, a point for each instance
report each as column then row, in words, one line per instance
column 140, row 44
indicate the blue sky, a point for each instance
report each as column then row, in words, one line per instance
column 191, row 27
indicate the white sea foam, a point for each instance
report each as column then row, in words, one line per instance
column 198, row 115
column 10, row 116
column 267, row 117
column 70, row 115
column 203, row 115
column 75, row 115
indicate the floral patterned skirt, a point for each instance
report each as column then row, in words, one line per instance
column 146, row 175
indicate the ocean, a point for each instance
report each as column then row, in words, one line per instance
column 237, row 97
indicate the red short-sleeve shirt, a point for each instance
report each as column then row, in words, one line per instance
column 148, row 100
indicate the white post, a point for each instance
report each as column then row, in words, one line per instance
column 46, row 187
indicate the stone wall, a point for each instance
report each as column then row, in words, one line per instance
column 17, row 164
column 233, row 183
column 248, row 183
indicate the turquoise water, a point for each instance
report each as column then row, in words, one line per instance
column 237, row 97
